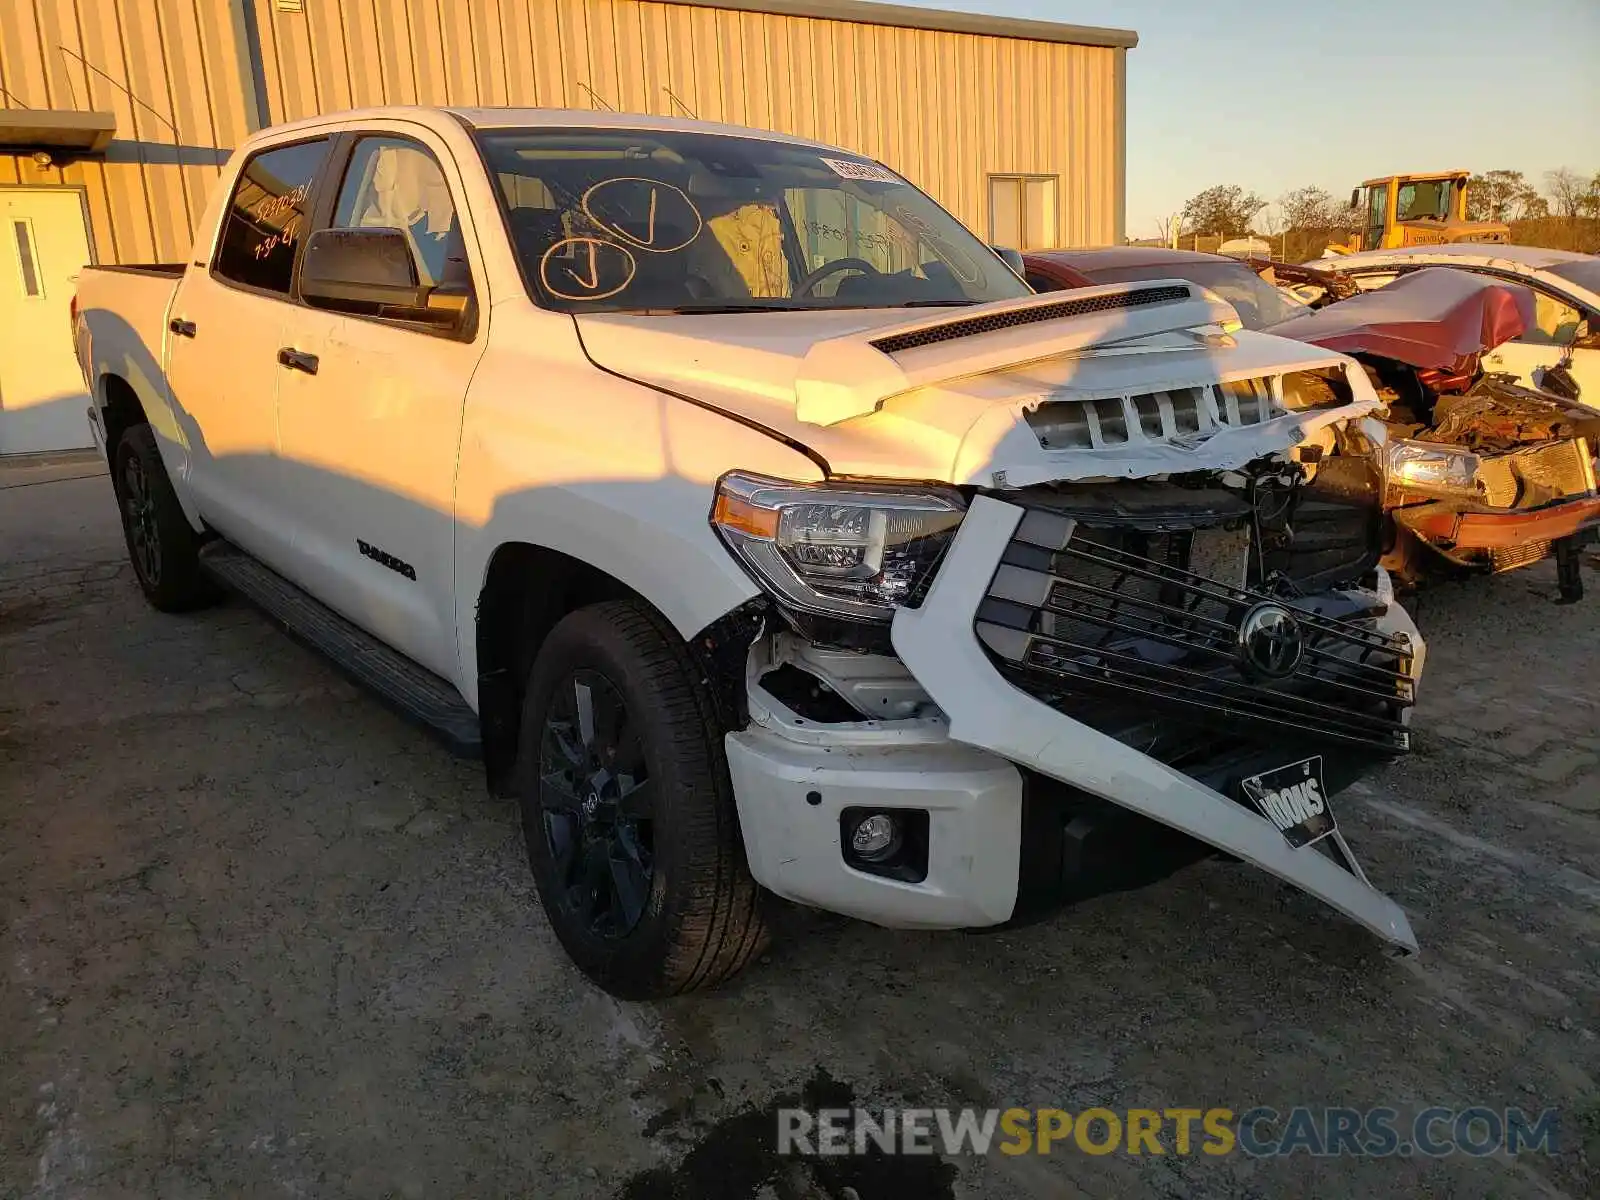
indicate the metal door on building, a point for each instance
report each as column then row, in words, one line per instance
column 44, row 243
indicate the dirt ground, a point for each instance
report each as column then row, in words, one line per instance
column 260, row 938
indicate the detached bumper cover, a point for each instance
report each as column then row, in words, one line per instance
column 937, row 642
column 1457, row 530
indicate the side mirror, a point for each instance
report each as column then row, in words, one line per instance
column 1586, row 336
column 373, row 271
column 1355, row 197
column 1011, row 258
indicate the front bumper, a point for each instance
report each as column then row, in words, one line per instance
column 938, row 644
column 793, row 778
column 792, row 792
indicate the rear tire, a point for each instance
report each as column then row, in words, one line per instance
column 162, row 546
column 627, row 809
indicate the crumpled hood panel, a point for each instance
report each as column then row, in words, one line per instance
column 947, row 395
column 1434, row 319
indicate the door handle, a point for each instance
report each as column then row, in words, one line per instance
column 298, row 360
column 181, row 327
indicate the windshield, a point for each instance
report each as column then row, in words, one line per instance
column 1424, row 199
column 618, row 220
column 1257, row 302
column 1585, row 272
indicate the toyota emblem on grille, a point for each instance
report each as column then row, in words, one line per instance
column 1271, row 642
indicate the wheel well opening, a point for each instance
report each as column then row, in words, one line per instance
column 526, row 591
column 122, row 411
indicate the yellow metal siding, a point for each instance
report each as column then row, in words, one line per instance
column 170, row 72
column 945, row 109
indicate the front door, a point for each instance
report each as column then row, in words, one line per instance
column 43, row 244
column 369, row 418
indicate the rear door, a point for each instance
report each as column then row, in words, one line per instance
column 223, row 334
column 370, row 439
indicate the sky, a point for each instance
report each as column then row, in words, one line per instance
column 1278, row 95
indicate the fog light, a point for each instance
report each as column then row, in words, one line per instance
column 875, row 837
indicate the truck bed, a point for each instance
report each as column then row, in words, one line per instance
column 122, row 311
column 174, row 269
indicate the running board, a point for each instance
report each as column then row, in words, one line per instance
column 418, row 694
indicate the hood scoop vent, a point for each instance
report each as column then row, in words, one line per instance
column 948, row 331
column 851, row 375
column 1181, row 416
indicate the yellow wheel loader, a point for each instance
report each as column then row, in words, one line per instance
column 1417, row 210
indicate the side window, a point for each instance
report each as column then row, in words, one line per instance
column 1405, row 202
column 1555, row 322
column 1377, row 211
column 395, row 183
column 270, row 206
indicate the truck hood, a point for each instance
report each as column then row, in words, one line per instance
column 1116, row 381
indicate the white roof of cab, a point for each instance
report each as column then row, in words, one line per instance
column 588, row 118
column 528, row 118
column 1535, row 258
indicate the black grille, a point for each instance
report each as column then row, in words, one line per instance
column 949, row 331
column 1111, row 625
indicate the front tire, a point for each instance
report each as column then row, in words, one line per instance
column 163, row 548
column 628, row 811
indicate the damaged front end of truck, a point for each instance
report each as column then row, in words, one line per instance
column 1124, row 629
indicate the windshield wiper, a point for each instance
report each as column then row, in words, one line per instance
column 716, row 309
column 719, row 309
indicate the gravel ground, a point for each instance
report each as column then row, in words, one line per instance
column 260, row 938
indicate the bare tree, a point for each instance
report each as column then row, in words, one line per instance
column 1170, row 229
column 1530, row 204
column 1591, row 198
column 1503, row 196
column 1568, row 191
column 1309, row 208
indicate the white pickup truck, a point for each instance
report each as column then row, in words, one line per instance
column 757, row 525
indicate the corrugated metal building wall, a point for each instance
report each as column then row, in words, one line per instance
column 188, row 79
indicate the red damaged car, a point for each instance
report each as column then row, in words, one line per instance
column 1474, row 471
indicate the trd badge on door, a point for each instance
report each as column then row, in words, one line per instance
column 399, row 566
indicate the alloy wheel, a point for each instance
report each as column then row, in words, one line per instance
column 139, row 517
column 597, row 803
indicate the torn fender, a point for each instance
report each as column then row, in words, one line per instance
column 937, row 643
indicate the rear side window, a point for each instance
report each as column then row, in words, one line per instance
column 267, row 215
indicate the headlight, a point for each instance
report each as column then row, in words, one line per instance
column 1432, row 469
column 855, row 550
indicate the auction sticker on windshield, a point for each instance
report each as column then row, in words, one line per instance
column 1295, row 800
column 871, row 172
